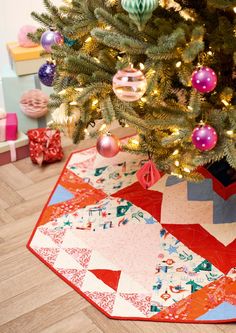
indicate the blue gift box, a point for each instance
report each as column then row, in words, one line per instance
column 13, row 88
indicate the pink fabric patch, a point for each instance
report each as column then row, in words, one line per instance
column 176, row 209
column 132, row 245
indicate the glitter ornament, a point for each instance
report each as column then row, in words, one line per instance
column 50, row 38
column 108, row 145
column 47, row 73
column 204, row 79
column 140, row 11
column 204, row 137
column 23, row 38
column 148, row 175
column 129, row 84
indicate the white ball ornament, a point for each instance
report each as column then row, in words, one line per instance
column 129, row 84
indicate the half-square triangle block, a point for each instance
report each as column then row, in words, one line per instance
column 61, row 194
column 110, row 278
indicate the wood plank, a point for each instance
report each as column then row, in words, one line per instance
column 8, row 196
column 47, row 315
column 29, row 278
column 3, row 204
column 77, row 322
column 16, row 264
column 32, row 299
column 38, row 189
column 14, row 177
column 5, row 217
column 28, row 207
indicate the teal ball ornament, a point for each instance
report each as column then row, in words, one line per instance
column 140, row 11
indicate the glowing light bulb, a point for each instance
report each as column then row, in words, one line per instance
column 175, row 152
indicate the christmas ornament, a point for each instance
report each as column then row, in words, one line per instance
column 140, row 11
column 66, row 118
column 47, row 73
column 108, row 145
column 23, row 38
column 204, row 137
column 204, row 79
column 50, row 38
column 34, row 103
column 129, row 84
column 69, row 42
column 148, row 175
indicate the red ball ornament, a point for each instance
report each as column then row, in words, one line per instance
column 204, row 137
column 204, row 79
column 108, row 145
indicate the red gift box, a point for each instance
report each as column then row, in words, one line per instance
column 45, row 145
column 9, row 127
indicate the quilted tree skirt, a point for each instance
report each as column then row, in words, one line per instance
column 163, row 254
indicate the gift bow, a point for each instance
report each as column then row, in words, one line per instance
column 42, row 149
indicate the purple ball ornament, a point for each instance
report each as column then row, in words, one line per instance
column 50, row 38
column 47, row 73
column 204, row 79
column 108, row 145
column 204, row 137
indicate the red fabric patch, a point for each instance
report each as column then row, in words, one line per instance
column 201, row 242
column 224, row 191
column 110, row 278
column 148, row 200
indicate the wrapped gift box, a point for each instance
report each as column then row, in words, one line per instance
column 23, row 60
column 13, row 88
column 8, row 127
column 21, row 146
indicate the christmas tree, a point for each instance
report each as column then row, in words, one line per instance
column 165, row 68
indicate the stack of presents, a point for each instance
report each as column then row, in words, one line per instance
column 25, row 100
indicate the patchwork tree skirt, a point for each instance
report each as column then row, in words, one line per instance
column 163, row 254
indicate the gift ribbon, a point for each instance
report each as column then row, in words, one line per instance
column 12, row 150
column 40, row 158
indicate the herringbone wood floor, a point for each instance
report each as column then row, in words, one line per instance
column 32, row 298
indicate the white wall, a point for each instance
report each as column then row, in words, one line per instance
column 13, row 15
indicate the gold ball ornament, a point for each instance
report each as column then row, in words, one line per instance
column 129, row 84
column 140, row 11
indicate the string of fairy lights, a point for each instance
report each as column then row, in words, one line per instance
column 71, row 94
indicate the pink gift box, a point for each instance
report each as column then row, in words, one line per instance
column 9, row 127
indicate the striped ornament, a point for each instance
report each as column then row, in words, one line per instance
column 129, row 84
column 140, row 11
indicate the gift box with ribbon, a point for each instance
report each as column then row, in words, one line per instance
column 11, row 151
column 8, row 127
column 45, row 146
column 13, row 88
column 24, row 60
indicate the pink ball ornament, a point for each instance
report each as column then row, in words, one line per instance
column 129, row 84
column 108, row 145
column 204, row 137
column 23, row 39
column 204, row 79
